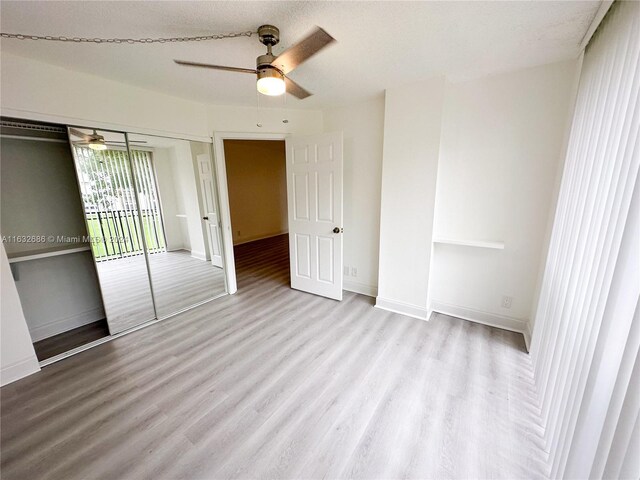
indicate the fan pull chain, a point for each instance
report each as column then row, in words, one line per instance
column 284, row 106
column 258, row 124
column 129, row 41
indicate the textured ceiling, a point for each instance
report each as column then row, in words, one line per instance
column 380, row 44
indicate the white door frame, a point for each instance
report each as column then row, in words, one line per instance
column 223, row 194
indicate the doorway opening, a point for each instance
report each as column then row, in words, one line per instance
column 257, row 189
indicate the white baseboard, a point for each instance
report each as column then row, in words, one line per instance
column 505, row 322
column 17, row 370
column 178, row 249
column 527, row 335
column 407, row 309
column 361, row 288
column 199, row 255
column 254, row 238
column 65, row 324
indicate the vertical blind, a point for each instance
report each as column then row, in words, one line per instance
column 115, row 224
column 576, row 316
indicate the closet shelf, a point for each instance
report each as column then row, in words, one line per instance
column 470, row 243
column 48, row 253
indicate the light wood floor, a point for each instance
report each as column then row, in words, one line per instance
column 126, row 292
column 276, row 383
column 63, row 342
column 179, row 281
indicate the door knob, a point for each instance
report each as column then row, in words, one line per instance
column 337, row 230
column 205, row 218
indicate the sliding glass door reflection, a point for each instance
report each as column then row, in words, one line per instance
column 178, row 185
column 110, row 184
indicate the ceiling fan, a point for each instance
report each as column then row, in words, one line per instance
column 272, row 71
column 95, row 141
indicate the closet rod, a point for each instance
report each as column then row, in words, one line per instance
column 37, row 139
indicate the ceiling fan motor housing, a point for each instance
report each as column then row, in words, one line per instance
column 265, row 68
column 269, row 35
column 269, row 71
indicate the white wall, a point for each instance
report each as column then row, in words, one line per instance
column 40, row 194
column 187, row 197
column 169, row 200
column 33, row 89
column 180, row 197
column 243, row 119
column 257, row 182
column 41, row 91
column 363, row 128
column 412, row 123
column 502, row 143
column 17, row 357
column 59, row 293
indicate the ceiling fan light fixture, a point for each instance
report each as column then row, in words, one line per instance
column 271, row 82
column 97, row 145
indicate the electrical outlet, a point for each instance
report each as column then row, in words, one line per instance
column 346, row 270
column 354, row 272
column 506, row 301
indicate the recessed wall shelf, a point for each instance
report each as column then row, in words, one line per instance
column 470, row 243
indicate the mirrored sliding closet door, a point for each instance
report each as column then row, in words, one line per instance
column 178, row 186
column 111, row 183
column 151, row 209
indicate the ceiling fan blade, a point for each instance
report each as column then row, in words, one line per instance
column 130, row 141
column 296, row 90
column 79, row 134
column 215, row 67
column 303, row 50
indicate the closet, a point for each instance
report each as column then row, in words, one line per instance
column 106, row 231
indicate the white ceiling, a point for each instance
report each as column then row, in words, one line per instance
column 380, row 44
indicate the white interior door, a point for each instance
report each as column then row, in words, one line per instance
column 314, row 192
column 211, row 220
